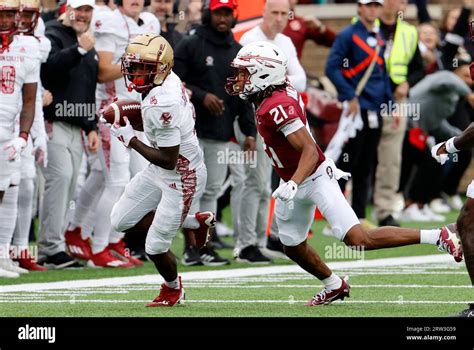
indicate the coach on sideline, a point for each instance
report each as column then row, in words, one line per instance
column 70, row 73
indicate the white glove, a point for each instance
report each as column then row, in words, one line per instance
column 15, row 147
column 286, row 191
column 40, row 150
column 442, row 158
column 124, row 133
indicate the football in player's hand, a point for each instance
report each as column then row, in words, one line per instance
column 131, row 109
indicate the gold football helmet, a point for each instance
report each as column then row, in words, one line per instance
column 10, row 6
column 29, row 15
column 147, row 61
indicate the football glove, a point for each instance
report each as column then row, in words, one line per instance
column 441, row 158
column 15, row 147
column 40, row 150
column 124, row 133
column 286, row 191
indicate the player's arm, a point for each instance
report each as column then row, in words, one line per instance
column 165, row 157
column 302, row 141
column 455, row 144
column 27, row 114
column 108, row 71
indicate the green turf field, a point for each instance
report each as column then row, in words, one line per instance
column 437, row 288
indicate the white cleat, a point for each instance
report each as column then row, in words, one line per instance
column 8, row 265
column 8, row 274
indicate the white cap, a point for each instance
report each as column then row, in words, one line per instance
column 78, row 3
column 366, row 2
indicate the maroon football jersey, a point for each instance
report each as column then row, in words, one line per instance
column 276, row 111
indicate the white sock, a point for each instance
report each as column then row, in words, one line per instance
column 429, row 236
column 88, row 198
column 116, row 236
column 4, row 251
column 8, row 215
column 25, row 213
column 332, row 282
column 191, row 222
column 103, row 226
column 173, row 284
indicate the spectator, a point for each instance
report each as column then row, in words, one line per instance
column 275, row 19
column 354, row 53
column 300, row 29
column 163, row 10
column 202, row 61
column 437, row 96
column 70, row 73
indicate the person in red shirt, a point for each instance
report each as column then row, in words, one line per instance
column 308, row 178
column 300, row 29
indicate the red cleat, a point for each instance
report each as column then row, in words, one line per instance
column 450, row 242
column 327, row 296
column 120, row 250
column 207, row 220
column 106, row 259
column 169, row 296
column 76, row 246
column 26, row 261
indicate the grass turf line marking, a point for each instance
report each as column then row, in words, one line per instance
column 221, row 274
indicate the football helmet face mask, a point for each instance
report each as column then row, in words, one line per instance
column 29, row 15
column 266, row 65
column 146, row 63
column 8, row 17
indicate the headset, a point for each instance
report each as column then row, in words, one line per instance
column 206, row 13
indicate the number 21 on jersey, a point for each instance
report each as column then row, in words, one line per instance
column 276, row 162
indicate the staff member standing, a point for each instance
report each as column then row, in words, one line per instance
column 70, row 73
column 202, row 61
column 357, row 49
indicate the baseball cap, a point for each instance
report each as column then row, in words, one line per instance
column 78, row 3
column 366, row 2
column 217, row 4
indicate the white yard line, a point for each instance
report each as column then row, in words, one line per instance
column 223, row 274
column 223, row 301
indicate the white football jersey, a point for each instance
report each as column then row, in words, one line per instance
column 113, row 32
column 19, row 65
column 168, row 120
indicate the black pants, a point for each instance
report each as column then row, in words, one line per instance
column 359, row 158
column 454, row 173
column 421, row 175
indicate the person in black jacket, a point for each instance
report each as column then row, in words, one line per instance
column 70, row 73
column 202, row 61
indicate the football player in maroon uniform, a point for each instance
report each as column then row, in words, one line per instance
column 308, row 178
column 465, row 222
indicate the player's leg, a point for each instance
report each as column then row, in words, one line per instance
column 465, row 224
column 172, row 211
column 294, row 219
column 346, row 227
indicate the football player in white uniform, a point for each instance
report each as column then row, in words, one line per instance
column 19, row 76
column 34, row 40
column 164, row 196
column 113, row 167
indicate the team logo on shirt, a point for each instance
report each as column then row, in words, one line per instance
column 153, row 100
column 329, row 172
column 98, row 24
column 166, row 118
column 209, row 61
